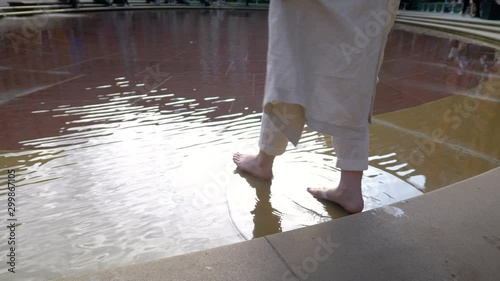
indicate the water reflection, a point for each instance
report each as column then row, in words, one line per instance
column 266, row 219
column 470, row 64
column 449, row 87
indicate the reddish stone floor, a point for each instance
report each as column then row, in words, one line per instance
column 219, row 54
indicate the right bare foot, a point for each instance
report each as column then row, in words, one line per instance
column 253, row 165
column 350, row 199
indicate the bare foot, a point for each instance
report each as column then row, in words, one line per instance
column 258, row 165
column 350, row 199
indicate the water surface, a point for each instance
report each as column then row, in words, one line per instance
column 121, row 127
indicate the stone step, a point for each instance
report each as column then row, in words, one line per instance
column 55, row 2
column 492, row 37
column 450, row 18
column 459, row 24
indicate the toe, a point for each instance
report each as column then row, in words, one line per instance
column 313, row 191
column 236, row 157
column 318, row 193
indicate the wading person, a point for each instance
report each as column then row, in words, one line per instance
column 322, row 65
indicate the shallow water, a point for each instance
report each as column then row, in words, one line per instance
column 122, row 139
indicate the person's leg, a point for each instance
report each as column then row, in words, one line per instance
column 272, row 143
column 205, row 3
column 464, row 6
column 352, row 159
column 477, row 12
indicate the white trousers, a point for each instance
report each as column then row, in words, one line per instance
column 352, row 154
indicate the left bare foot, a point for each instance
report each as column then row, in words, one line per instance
column 254, row 165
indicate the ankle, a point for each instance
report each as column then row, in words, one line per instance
column 264, row 160
column 350, row 181
column 351, row 176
